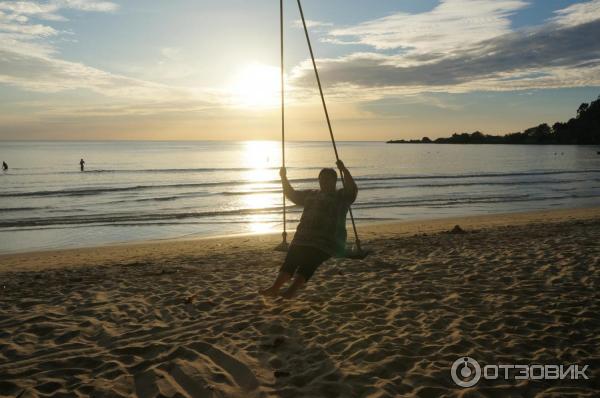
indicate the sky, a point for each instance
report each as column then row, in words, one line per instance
column 209, row 70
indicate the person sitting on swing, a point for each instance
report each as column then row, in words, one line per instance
column 321, row 233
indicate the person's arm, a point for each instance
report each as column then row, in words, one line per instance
column 350, row 187
column 297, row 197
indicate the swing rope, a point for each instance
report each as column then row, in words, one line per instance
column 314, row 63
column 284, row 234
column 337, row 158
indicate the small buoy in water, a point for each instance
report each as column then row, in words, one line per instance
column 598, row 153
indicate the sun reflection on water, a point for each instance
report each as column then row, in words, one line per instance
column 260, row 157
column 261, row 160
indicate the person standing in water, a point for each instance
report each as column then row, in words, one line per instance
column 82, row 164
column 321, row 233
column 4, row 166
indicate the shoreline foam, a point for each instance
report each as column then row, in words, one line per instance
column 134, row 249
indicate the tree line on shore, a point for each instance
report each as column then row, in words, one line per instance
column 583, row 129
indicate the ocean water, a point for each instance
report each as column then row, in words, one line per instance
column 134, row 191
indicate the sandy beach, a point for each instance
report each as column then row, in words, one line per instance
column 119, row 322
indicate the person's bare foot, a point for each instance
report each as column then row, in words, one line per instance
column 270, row 292
column 288, row 294
column 291, row 291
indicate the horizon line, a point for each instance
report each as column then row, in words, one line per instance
column 175, row 140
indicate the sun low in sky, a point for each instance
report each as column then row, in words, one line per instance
column 196, row 69
column 256, row 86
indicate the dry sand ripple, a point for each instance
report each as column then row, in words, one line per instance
column 388, row 326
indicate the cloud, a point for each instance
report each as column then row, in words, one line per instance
column 87, row 5
column 23, row 11
column 577, row 14
column 28, row 8
column 23, row 24
column 46, row 10
column 30, row 62
column 560, row 53
column 57, row 110
column 170, row 53
column 48, row 74
column 32, row 30
column 451, row 25
column 312, row 24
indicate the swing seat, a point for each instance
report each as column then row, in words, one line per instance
column 356, row 254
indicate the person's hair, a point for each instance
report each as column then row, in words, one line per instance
column 328, row 171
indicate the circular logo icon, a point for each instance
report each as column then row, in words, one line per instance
column 465, row 372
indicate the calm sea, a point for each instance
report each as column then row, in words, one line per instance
column 161, row 190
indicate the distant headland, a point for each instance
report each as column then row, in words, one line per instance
column 584, row 129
